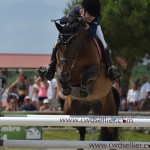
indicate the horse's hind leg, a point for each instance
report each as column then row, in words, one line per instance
column 111, row 109
column 76, row 107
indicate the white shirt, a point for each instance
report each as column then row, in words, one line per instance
column 52, row 89
column 145, row 88
column 133, row 95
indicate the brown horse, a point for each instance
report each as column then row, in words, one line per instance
column 83, row 76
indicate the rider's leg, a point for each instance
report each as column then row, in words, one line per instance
column 50, row 71
column 113, row 72
column 100, row 35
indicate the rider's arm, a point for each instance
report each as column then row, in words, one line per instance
column 93, row 26
column 74, row 11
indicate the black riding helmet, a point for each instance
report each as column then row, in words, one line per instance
column 93, row 7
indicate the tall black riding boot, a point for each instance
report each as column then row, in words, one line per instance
column 50, row 71
column 113, row 71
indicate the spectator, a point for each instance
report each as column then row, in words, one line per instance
column 21, row 87
column 3, row 84
column 12, row 105
column 61, row 99
column 145, row 95
column 133, row 97
column 31, row 82
column 116, row 85
column 35, row 99
column 46, row 107
column 42, row 94
column 27, row 106
column 52, row 94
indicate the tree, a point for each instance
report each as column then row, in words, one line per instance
column 126, row 27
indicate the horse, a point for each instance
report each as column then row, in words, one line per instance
column 82, row 75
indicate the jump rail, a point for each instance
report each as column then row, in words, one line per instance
column 66, row 120
column 121, row 113
column 74, row 144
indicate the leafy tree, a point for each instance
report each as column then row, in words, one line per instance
column 126, row 27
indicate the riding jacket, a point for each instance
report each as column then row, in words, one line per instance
column 92, row 26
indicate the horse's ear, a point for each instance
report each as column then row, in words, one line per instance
column 59, row 27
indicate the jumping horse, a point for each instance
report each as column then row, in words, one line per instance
column 83, row 77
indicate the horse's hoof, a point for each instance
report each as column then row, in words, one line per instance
column 83, row 93
column 66, row 91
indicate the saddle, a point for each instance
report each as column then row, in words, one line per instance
column 100, row 47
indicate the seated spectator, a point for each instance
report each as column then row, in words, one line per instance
column 12, row 105
column 133, row 97
column 46, row 105
column 42, row 92
column 27, row 106
column 21, row 87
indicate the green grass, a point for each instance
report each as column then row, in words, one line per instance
column 73, row 135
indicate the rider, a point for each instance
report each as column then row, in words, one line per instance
column 90, row 11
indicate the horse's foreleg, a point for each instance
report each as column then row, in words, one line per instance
column 87, row 75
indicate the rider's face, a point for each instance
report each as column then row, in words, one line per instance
column 88, row 17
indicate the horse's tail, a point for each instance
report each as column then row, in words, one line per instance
column 117, row 98
column 117, row 101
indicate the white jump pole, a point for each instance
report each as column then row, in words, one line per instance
column 74, row 144
column 68, row 116
column 96, row 121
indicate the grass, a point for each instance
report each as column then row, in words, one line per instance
column 73, row 135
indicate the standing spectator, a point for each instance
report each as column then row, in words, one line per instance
column 30, row 87
column 46, row 105
column 21, row 87
column 145, row 94
column 61, row 99
column 43, row 87
column 3, row 84
column 116, row 84
column 12, row 105
column 35, row 98
column 52, row 93
column 27, row 106
column 133, row 97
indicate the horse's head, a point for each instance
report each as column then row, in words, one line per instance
column 69, row 44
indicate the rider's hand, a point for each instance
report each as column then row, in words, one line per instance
column 82, row 21
column 86, row 27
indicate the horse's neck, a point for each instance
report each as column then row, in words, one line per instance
column 89, row 49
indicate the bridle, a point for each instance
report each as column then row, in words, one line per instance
column 64, row 44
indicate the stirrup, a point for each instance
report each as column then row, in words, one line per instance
column 114, row 73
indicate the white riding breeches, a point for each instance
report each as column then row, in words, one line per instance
column 100, row 35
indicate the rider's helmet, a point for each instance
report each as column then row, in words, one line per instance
column 93, row 7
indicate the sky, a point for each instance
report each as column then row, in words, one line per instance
column 26, row 27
